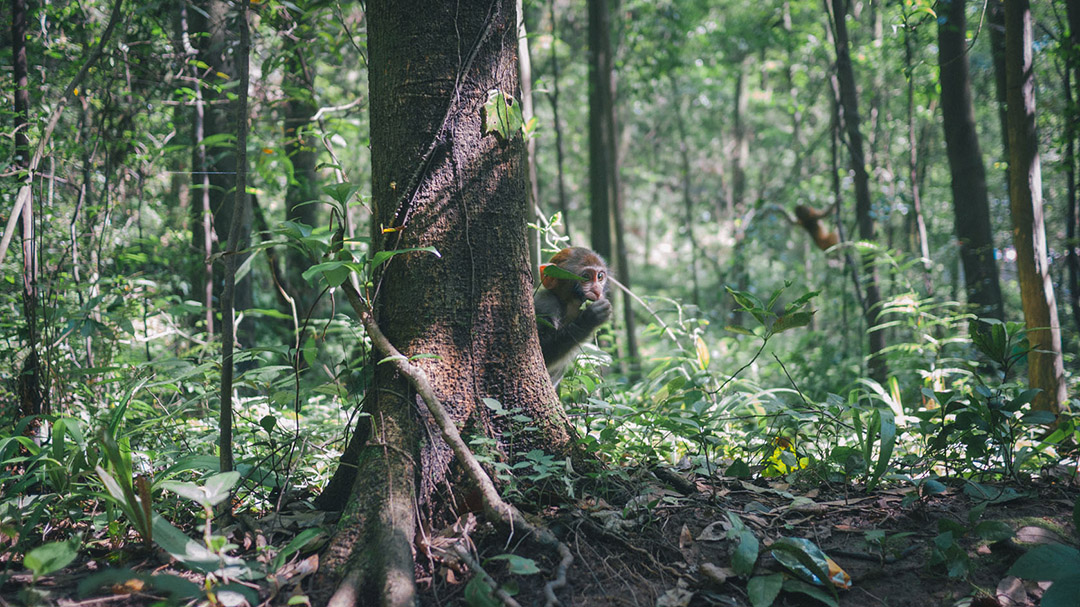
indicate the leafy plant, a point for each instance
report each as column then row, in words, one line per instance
column 987, row 422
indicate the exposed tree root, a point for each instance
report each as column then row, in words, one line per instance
column 496, row 510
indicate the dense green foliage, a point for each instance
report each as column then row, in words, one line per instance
column 753, row 353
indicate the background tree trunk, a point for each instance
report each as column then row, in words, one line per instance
column 31, row 397
column 443, row 182
column 215, row 171
column 301, row 151
column 1046, row 368
column 850, row 107
column 602, row 144
column 527, row 113
column 240, row 224
column 553, row 96
column 971, row 203
column 1072, row 132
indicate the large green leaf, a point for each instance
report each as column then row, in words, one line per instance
column 1051, row 562
column 51, row 557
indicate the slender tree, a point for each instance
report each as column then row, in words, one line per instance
column 527, row 113
column 239, row 224
column 1072, row 79
column 553, row 96
column 849, row 107
column 971, row 203
column 1046, row 367
column 300, row 144
column 30, row 390
column 602, row 144
column 214, row 158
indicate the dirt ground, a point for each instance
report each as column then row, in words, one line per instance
column 673, row 551
column 669, row 547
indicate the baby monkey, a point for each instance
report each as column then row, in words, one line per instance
column 560, row 320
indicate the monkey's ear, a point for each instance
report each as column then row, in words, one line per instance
column 546, row 278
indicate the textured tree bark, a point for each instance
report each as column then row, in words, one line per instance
column 440, row 180
column 863, row 213
column 1046, row 368
column 971, row 203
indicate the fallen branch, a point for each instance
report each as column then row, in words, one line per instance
column 495, row 508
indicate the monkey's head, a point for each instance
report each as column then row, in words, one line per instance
column 589, row 268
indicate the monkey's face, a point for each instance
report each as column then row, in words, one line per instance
column 594, row 285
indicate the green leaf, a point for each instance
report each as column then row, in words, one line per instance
column 383, row 256
column 1053, row 562
column 479, row 593
column 310, row 350
column 763, row 589
column 195, row 555
column 994, row 531
column 1038, row 418
column 803, row 558
column 746, row 301
column 340, row 192
column 267, row 312
column 739, row 330
column 517, row 565
column 1063, row 593
column 885, row 422
column 791, row 321
column 190, row 491
column 219, row 486
column 302, row 540
column 814, row 592
column 746, row 553
column 326, row 266
column 219, row 140
column 51, row 557
column 555, row 271
column 738, row 469
column 502, row 115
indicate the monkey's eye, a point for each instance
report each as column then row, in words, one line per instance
column 599, row 276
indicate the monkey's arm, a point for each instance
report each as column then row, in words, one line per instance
column 558, row 337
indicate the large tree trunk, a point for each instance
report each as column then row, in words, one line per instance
column 971, row 204
column 439, row 180
column 850, row 107
column 1046, row 369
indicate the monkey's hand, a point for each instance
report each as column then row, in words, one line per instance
column 594, row 315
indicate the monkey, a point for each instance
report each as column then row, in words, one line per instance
column 561, row 323
column 810, row 219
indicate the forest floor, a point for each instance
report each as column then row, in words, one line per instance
column 672, row 548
